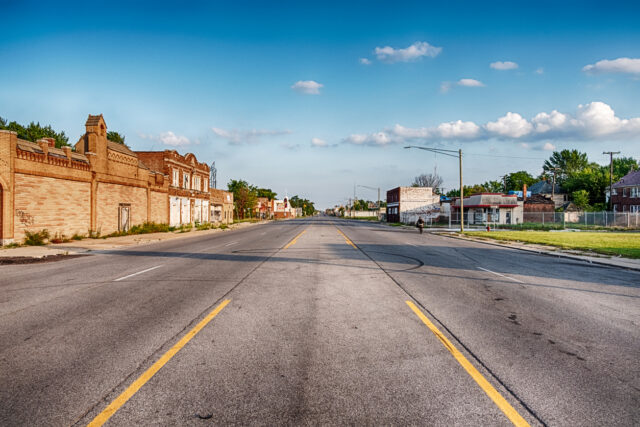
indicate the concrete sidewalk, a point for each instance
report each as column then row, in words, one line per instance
column 86, row 245
column 590, row 257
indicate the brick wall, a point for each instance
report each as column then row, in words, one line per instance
column 109, row 197
column 159, row 208
column 60, row 206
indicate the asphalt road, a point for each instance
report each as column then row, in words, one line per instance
column 319, row 321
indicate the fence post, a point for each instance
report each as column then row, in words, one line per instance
column 542, row 218
column 563, row 219
column 605, row 218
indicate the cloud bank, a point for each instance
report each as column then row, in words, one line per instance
column 168, row 138
column 506, row 65
column 238, row 137
column 620, row 65
column 593, row 122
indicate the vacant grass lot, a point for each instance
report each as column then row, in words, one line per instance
column 625, row 244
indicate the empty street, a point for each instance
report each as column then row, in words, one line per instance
column 319, row 321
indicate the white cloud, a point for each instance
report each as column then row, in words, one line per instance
column 317, row 142
column 237, row 137
column 540, row 70
column 620, row 65
column 506, row 65
column 458, row 130
column 308, row 87
column 365, row 61
column 167, row 138
column 445, row 87
column 411, row 53
column 590, row 122
column 470, row 83
column 511, row 125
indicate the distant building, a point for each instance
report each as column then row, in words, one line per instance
column 407, row 204
column 536, row 206
column 626, row 193
column 188, row 184
column 546, row 189
column 491, row 208
column 221, row 203
column 282, row 209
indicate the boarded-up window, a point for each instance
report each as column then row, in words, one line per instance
column 124, row 216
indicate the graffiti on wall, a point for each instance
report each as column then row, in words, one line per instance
column 25, row 218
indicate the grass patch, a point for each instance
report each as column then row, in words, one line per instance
column 145, row 228
column 624, row 244
column 37, row 238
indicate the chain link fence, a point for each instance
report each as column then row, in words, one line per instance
column 550, row 220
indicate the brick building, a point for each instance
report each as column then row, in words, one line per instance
column 189, row 195
column 221, row 203
column 626, row 193
column 101, row 187
column 407, row 204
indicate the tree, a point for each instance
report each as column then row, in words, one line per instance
column 307, row 206
column 516, row 180
column 567, row 162
column 114, row 136
column 244, row 197
column 432, row 180
column 266, row 192
column 594, row 180
column 622, row 166
column 35, row 131
column 581, row 199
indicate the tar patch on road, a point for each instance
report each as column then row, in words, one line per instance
column 31, row 260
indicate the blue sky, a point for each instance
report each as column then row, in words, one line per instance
column 312, row 98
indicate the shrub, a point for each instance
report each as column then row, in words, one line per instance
column 77, row 237
column 223, row 226
column 37, row 238
column 59, row 238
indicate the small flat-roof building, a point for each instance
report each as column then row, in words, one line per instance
column 495, row 208
column 407, row 204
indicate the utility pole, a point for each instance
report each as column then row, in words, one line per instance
column 459, row 156
column 610, row 153
column 373, row 188
column 504, row 181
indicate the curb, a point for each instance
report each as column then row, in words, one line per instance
column 546, row 253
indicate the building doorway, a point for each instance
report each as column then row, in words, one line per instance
column 124, row 215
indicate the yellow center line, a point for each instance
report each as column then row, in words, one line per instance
column 497, row 398
column 295, row 239
column 346, row 239
column 149, row 373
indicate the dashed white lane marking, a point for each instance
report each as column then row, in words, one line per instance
column 139, row 272
column 232, row 243
column 501, row 275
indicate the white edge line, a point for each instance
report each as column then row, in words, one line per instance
column 139, row 272
column 501, row 275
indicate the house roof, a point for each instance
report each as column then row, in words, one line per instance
column 545, row 187
column 121, row 148
column 538, row 199
column 94, row 120
column 632, row 178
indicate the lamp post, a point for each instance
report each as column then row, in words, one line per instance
column 459, row 156
column 372, row 188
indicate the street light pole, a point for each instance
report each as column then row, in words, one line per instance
column 459, row 156
column 373, row 188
